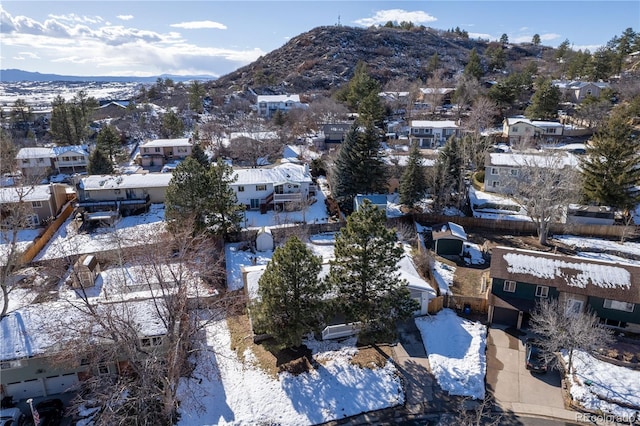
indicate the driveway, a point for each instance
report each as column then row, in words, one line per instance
column 515, row 388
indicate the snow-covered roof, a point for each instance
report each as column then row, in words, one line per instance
column 438, row 90
column 14, row 194
column 409, row 272
column 449, row 228
column 563, row 84
column 436, row 124
column 278, row 98
column 32, row 152
column 286, row 172
column 80, row 149
column 37, row 328
column 538, row 160
column 166, row 143
column 601, row 278
column 136, row 180
column 537, row 123
column 259, row 136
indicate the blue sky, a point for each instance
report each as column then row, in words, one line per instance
column 147, row 38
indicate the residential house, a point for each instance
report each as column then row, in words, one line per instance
column 32, row 336
column 334, row 133
column 590, row 215
column 434, row 98
column 70, row 159
column 158, row 152
column 266, row 188
column 267, row 105
column 520, row 129
column 577, row 91
column 122, row 193
column 43, row 202
column 520, row 278
column 431, row 134
column 501, row 168
column 35, row 162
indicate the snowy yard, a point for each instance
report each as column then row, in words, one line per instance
column 129, row 231
column 606, row 381
column 456, row 350
column 226, row 391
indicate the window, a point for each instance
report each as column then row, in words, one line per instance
column 25, row 161
column 157, row 149
column 618, row 306
column 509, row 286
column 241, row 188
column 116, row 191
column 542, row 291
column 33, row 220
column 103, row 369
column 6, row 365
column 261, row 187
column 255, row 203
column 495, row 171
column 515, row 129
column 513, row 172
column 156, row 341
column 145, row 150
column 40, row 160
column 36, row 204
column 495, row 184
column 146, row 342
column 574, row 307
column 66, row 159
column 551, row 130
column 182, row 149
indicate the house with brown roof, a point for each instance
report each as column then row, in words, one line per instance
column 520, row 278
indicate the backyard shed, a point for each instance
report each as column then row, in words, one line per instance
column 264, row 240
column 448, row 239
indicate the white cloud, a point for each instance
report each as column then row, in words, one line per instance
column 198, row 25
column 26, row 55
column 526, row 38
column 381, row 17
column 76, row 18
column 483, row 36
column 124, row 17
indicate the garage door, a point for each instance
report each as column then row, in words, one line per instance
column 505, row 316
column 60, row 384
column 27, row 389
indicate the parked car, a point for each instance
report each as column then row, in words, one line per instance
column 534, row 357
column 11, row 417
column 50, row 411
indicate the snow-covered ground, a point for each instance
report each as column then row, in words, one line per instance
column 443, row 274
column 488, row 205
column 597, row 244
column 606, row 381
column 24, row 238
column 316, row 213
column 456, row 350
column 224, row 390
column 129, row 231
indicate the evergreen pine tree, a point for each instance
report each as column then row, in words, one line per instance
column 291, row 294
column 187, row 198
column 474, row 67
column 611, row 167
column 544, row 102
column 200, row 156
column 99, row 163
column 359, row 167
column 223, row 208
column 413, row 183
column 365, row 274
column 108, row 141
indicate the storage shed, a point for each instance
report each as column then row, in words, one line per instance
column 264, row 240
column 448, row 239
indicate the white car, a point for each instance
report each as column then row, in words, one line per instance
column 11, row 417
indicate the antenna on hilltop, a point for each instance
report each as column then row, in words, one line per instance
column 338, row 20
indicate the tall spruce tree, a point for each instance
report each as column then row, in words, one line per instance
column 359, row 167
column 474, row 66
column 544, row 102
column 413, row 182
column 202, row 196
column 291, row 294
column 108, row 141
column 99, row 163
column 364, row 274
column 611, row 168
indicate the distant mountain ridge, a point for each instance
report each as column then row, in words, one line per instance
column 16, row 75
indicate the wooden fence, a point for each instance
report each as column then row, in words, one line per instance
column 526, row 227
column 39, row 243
column 477, row 304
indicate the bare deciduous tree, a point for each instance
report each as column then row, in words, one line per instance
column 543, row 185
column 560, row 327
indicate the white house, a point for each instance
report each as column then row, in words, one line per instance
column 70, row 159
column 520, row 129
column 267, row 187
column 577, row 91
column 267, row 105
column 500, row 168
column 432, row 133
column 43, row 202
column 35, row 162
